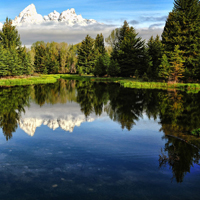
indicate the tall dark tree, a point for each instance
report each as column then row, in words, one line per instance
column 182, row 28
column 154, row 51
column 86, row 56
column 129, row 51
column 99, row 44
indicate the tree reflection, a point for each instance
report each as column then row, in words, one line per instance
column 60, row 92
column 180, row 156
column 12, row 101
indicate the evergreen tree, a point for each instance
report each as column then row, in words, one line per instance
column 182, row 28
column 4, row 70
column 27, row 67
column 14, row 62
column 9, row 36
column 129, row 51
column 164, row 68
column 99, row 44
column 86, row 56
column 154, row 51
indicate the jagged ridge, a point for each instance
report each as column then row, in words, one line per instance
column 30, row 16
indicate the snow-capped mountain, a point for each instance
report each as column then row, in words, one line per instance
column 1, row 25
column 68, row 123
column 30, row 16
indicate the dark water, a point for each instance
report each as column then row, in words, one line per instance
column 83, row 140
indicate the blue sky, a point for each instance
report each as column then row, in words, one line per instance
column 146, row 16
column 110, row 11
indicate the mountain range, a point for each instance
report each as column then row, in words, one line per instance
column 69, row 17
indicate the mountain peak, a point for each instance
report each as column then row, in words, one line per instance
column 30, row 16
column 31, row 10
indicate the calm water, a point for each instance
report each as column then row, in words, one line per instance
column 82, row 140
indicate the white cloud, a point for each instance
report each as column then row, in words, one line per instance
column 146, row 33
column 59, row 32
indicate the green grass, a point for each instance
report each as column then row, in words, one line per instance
column 41, row 79
column 133, row 83
column 125, row 82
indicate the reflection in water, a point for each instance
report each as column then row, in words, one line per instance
column 35, row 117
column 180, row 156
column 179, row 113
column 12, row 101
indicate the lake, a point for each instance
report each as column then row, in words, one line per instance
column 87, row 140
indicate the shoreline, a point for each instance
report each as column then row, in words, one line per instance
column 125, row 82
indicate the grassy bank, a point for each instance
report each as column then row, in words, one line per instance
column 133, row 83
column 30, row 80
column 125, row 82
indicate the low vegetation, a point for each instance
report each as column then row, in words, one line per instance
column 125, row 82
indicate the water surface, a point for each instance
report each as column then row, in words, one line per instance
column 84, row 140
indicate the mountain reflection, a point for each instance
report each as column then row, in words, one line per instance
column 178, row 112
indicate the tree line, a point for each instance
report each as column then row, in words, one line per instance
column 173, row 57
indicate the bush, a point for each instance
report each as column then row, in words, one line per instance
column 196, row 132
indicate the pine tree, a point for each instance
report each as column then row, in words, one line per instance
column 99, row 44
column 164, row 68
column 182, row 28
column 129, row 51
column 9, row 36
column 154, row 51
column 14, row 62
column 86, row 56
column 25, row 57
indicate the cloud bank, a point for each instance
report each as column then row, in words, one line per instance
column 59, row 32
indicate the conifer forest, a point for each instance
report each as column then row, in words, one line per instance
column 173, row 57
